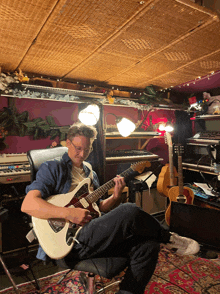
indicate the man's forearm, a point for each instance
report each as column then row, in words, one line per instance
column 109, row 203
column 40, row 208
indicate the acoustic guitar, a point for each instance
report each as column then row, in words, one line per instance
column 168, row 175
column 179, row 193
column 57, row 236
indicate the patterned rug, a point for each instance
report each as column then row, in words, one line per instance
column 173, row 275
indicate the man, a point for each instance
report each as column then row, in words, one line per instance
column 123, row 231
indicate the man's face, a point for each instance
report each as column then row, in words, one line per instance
column 79, row 149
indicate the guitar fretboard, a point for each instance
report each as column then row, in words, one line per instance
column 94, row 196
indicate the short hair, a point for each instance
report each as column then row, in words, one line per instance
column 79, row 129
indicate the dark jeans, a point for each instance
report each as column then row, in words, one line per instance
column 125, row 231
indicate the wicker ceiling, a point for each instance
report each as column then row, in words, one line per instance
column 126, row 43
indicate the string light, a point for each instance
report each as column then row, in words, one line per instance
column 199, row 79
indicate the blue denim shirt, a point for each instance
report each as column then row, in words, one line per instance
column 54, row 177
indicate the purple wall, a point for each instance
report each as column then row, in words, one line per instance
column 64, row 113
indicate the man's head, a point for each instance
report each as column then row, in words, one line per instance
column 79, row 142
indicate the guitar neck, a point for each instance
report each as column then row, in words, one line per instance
column 98, row 193
column 180, row 175
column 171, row 165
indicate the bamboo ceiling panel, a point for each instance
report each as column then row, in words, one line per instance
column 127, row 43
column 78, row 31
column 20, row 22
column 202, row 57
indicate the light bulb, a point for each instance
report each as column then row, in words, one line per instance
column 125, row 127
column 90, row 115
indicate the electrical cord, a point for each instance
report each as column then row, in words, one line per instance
column 212, row 184
column 201, row 172
column 171, row 283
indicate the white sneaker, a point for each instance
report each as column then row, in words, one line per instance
column 184, row 246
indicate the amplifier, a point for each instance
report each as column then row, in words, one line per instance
column 148, row 199
column 15, row 227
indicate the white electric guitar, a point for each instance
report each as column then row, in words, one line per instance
column 57, row 236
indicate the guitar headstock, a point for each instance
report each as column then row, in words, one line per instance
column 140, row 166
column 179, row 149
column 168, row 139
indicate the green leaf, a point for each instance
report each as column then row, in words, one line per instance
column 23, row 117
column 50, row 121
column 3, row 115
column 62, row 136
column 43, row 125
column 30, row 124
column 64, row 129
column 149, row 90
column 54, row 134
column 22, row 132
column 37, row 120
column 36, row 134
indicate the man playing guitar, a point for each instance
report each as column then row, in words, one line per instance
column 123, row 231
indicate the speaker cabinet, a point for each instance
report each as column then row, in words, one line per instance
column 15, row 228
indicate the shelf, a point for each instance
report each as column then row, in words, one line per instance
column 135, row 135
column 206, row 116
column 199, row 168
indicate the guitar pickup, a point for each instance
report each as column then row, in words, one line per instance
column 84, row 203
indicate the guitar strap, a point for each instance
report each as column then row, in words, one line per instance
column 90, row 168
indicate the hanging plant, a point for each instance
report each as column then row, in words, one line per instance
column 151, row 96
column 3, row 134
column 18, row 124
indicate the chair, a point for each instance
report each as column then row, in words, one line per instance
column 105, row 267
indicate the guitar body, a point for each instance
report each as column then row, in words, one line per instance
column 168, row 175
column 164, row 181
column 173, row 194
column 179, row 193
column 56, row 235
